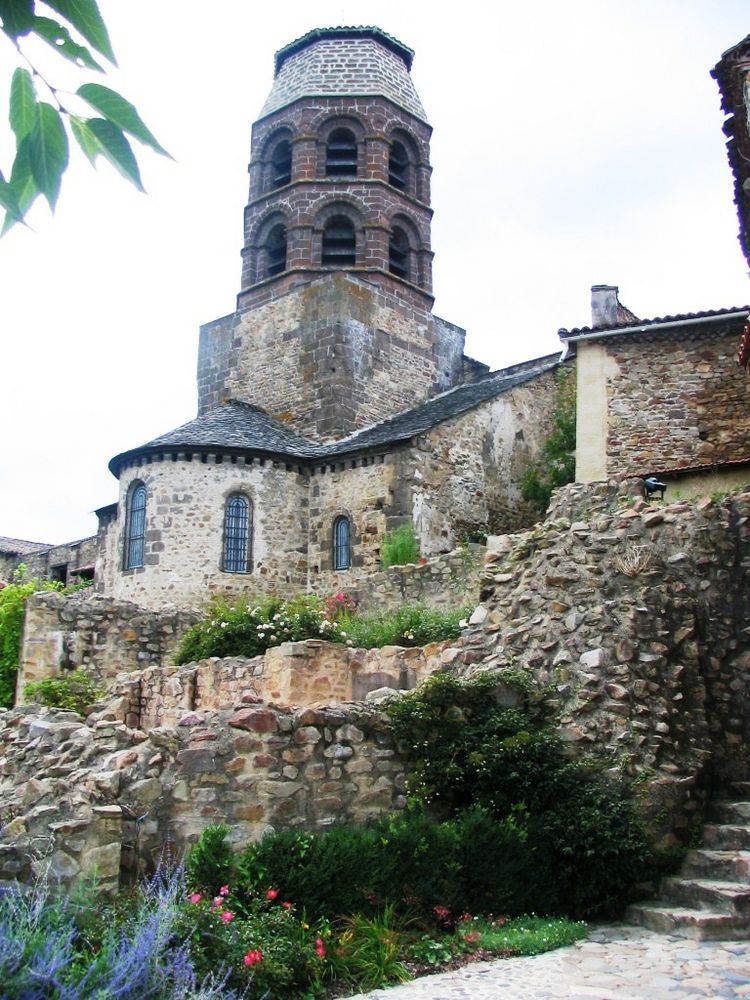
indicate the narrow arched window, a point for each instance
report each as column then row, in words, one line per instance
column 135, row 527
column 341, row 154
column 398, row 253
column 237, row 534
column 339, row 242
column 398, row 166
column 276, row 251
column 342, row 544
column 281, row 164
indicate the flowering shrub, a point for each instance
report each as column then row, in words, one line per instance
column 250, row 629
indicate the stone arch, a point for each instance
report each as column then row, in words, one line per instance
column 276, row 159
column 347, row 164
column 404, row 249
column 265, row 247
column 341, row 210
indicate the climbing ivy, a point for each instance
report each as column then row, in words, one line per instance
column 557, row 465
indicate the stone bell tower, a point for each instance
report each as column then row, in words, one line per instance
column 334, row 327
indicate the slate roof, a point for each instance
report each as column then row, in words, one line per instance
column 709, row 316
column 344, row 62
column 238, row 427
column 20, row 547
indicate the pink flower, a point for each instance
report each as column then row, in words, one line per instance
column 196, row 898
column 224, row 891
column 320, row 948
column 218, row 902
column 252, row 958
column 227, row 917
column 272, row 894
column 287, row 906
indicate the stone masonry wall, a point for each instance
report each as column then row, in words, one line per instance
column 331, row 357
column 466, row 472
column 185, row 527
column 637, row 616
column 99, row 634
column 677, row 402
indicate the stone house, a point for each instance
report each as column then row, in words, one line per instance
column 661, row 397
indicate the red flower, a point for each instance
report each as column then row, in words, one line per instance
column 272, row 894
column 287, row 905
column 320, row 948
column 252, row 958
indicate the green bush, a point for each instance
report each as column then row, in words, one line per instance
column 399, row 547
column 74, row 691
column 13, row 598
column 557, row 465
column 250, row 629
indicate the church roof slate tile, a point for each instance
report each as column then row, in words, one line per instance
column 241, row 427
column 636, row 326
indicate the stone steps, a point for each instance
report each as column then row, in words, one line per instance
column 710, row 898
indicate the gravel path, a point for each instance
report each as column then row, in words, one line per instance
column 623, row 963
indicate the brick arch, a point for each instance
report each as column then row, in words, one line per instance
column 325, row 125
column 258, row 239
column 415, row 272
column 337, row 205
column 284, row 132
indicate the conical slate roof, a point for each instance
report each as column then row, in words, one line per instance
column 345, row 62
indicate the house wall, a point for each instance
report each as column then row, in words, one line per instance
column 673, row 400
column 466, row 472
column 184, row 533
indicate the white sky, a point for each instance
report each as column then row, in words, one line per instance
column 575, row 143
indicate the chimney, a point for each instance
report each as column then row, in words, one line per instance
column 604, row 304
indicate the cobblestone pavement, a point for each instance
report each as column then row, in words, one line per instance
column 622, row 963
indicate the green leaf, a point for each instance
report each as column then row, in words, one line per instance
column 9, row 202
column 85, row 138
column 116, row 148
column 17, row 16
column 48, row 151
column 120, row 112
column 59, row 38
column 22, row 185
column 85, row 17
column 22, row 104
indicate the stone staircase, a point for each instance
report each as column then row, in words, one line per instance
column 710, row 898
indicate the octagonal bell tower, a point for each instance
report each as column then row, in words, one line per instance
column 334, row 327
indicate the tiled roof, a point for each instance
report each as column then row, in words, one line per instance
column 709, row 316
column 238, row 427
column 344, row 62
column 19, row 547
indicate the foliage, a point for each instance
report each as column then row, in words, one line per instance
column 557, row 465
column 399, row 547
column 210, row 861
column 587, row 845
column 250, row 629
column 527, row 935
column 44, row 953
column 368, row 950
column 39, row 127
column 74, row 691
column 13, row 599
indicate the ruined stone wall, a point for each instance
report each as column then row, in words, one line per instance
column 675, row 402
column 331, row 357
column 99, row 634
column 637, row 617
column 71, row 792
column 447, row 581
column 185, row 527
column 466, row 472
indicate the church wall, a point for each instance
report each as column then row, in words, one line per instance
column 332, row 357
column 673, row 401
column 184, row 533
column 467, row 471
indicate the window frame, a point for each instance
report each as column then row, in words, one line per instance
column 237, row 537
column 341, row 548
column 135, row 527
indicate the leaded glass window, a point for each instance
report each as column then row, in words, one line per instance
column 237, row 534
column 135, row 529
column 342, row 546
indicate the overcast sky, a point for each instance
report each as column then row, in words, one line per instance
column 574, row 144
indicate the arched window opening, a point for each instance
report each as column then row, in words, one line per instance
column 237, row 535
column 276, row 251
column 398, row 253
column 342, row 544
column 339, row 243
column 281, row 164
column 135, row 527
column 398, row 166
column 341, row 154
